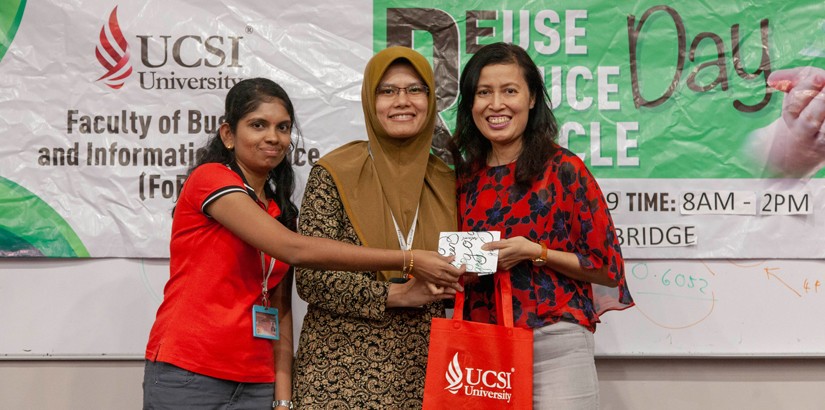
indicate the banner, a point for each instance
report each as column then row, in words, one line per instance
column 104, row 106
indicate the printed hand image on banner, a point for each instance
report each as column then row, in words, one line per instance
column 702, row 122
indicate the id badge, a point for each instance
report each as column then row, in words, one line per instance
column 265, row 322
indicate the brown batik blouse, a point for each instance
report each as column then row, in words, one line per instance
column 353, row 352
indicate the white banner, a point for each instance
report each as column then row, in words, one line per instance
column 104, row 105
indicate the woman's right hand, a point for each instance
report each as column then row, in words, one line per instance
column 417, row 293
column 429, row 266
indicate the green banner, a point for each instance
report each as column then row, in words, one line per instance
column 11, row 12
column 643, row 90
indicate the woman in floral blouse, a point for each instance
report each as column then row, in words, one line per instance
column 560, row 247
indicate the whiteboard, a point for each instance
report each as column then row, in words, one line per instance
column 78, row 308
column 719, row 308
column 104, row 308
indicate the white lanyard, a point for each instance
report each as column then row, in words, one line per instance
column 406, row 244
column 265, row 273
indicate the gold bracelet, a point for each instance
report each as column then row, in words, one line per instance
column 408, row 273
column 541, row 260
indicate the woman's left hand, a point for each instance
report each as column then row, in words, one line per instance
column 513, row 251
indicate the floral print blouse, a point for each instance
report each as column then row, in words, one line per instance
column 565, row 209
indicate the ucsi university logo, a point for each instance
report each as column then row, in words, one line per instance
column 113, row 53
column 161, row 55
column 470, row 381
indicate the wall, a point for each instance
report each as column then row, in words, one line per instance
column 626, row 384
column 104, row 308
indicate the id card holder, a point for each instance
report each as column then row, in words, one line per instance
column 265, row 322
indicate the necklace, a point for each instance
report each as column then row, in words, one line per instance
column 499, row 162
column 260, row 195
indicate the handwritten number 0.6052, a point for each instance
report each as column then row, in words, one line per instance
column 680, row 280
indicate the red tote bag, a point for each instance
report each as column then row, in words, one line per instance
column 474, row 365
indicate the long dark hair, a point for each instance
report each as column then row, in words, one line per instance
column 469, row 147
column 243, row 98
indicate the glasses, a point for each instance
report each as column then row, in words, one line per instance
column 392, row 91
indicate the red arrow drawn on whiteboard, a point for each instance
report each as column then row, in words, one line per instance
column 771, row 275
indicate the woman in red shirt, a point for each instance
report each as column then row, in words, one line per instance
column 560, row 247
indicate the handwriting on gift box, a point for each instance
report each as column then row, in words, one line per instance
column 466, row 246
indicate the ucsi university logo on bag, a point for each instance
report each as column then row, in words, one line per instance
column 479, row 366
column 469, row 381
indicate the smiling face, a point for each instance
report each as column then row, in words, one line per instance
column 261, row 139
column 402, row 115
column 501, row 105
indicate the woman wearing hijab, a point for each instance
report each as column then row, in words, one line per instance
column 365, row 335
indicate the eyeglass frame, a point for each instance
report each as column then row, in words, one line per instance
column 396, row 91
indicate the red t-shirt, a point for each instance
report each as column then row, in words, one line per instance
column 204, row 324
